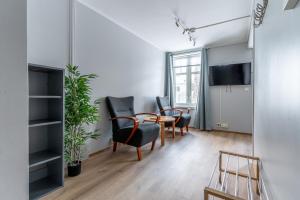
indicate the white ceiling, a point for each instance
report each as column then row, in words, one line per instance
column 153, row 20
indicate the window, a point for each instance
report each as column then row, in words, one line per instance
column 186, row 69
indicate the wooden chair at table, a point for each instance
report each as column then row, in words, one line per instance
column 182, row 118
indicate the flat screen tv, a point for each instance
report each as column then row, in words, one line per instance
column 233, row 74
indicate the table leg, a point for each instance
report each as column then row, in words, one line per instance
column 162, row 133
column 173, row 126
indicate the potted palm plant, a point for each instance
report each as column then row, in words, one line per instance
column 79, row 113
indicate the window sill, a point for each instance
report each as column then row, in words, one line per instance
column 191, row 107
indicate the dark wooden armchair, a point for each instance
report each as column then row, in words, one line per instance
column 182, row 118
column 126, row 127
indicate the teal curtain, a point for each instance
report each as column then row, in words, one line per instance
column 203, row 112
column 169, row 80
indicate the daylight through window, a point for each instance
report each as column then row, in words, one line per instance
column 186, row 69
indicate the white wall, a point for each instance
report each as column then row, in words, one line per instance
column 234, row 107
column 277, row 99
column 125, row 64
column 13, row 101
column 48, row 32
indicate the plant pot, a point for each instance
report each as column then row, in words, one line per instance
column 75, row 169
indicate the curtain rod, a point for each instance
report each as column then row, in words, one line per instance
column 206, row 46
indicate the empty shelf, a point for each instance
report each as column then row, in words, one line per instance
column 42, row 187
column 44, row 122
column 42, row 157
column 46, row 129
column 44, row 97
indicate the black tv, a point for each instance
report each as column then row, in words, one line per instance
column 233, row 74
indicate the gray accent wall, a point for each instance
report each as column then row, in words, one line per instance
column 13, row 101
column 235, row 106
column 48, row 32
column 277, row 99
column 125, row 64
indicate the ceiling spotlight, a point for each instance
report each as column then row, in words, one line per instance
column 189, row 31
column 177, row 22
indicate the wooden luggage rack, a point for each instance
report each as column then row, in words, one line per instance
column 230, row 178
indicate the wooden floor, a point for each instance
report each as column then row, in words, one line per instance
column 178, row 171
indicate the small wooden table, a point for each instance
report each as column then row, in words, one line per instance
column 162, row 121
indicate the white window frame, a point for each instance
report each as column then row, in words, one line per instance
column 188, row 78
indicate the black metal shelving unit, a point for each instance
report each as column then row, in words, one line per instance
column 46, row 126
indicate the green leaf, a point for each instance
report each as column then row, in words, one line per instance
column 79, row 112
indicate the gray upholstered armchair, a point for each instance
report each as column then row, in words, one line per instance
column 182, row 118
column 126, row 127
